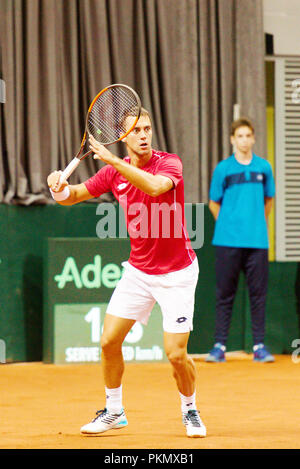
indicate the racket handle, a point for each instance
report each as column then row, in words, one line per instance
column 69, row 169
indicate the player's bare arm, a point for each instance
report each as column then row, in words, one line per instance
column 78, row 192
column 268, row 206
column 214, row 207
column 153, row 185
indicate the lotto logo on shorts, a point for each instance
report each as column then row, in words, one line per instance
column 180, row 320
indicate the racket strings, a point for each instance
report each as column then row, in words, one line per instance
column 107, row 118
column 99, row 127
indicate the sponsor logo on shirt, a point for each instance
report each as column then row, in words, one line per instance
column 122, row 186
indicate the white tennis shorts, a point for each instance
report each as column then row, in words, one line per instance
column 137, row 292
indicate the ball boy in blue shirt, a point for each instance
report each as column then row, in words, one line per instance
column 241, row 196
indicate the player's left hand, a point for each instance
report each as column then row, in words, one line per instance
column 100, row 151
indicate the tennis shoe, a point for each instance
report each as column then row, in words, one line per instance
column 262, row 354
column 104, row 421
column 217, row 354
column 195, row 428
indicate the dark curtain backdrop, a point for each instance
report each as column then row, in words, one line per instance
column 190, row 61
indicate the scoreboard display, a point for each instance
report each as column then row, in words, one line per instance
column 80, row 276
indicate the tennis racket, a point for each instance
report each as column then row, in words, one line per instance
column 106, row 119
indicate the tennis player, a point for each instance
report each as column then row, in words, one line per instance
column 162, row 267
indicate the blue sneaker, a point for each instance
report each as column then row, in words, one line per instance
column 261, row 354
column 217, row 354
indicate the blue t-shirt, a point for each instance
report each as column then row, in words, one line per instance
column 241, row 189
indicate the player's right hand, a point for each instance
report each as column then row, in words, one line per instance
column 54, row 182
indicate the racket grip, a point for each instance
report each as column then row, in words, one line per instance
column 69, row 169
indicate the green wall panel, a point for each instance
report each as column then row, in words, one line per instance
column 24, row 230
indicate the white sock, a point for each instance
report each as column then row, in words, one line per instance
column 188, row 402
column 114, row 400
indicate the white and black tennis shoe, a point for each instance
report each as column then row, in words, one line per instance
column 195, row 428
column 105, row 421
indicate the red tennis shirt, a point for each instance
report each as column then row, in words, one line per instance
column 156, row 225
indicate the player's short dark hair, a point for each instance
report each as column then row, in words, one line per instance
column 242, row 122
